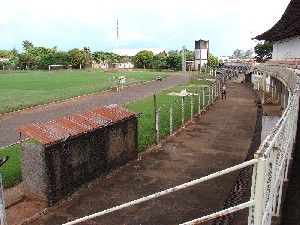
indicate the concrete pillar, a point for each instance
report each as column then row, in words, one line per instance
column 275, row 89
column 282, row 96
column 264, row 88
column 279, row 91
column 286, row 97
column 272, row 83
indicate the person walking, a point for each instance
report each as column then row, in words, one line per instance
column 223, row 92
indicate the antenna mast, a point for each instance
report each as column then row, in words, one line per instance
column 117, row 33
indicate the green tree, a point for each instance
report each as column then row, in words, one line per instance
column 27, row 60
column 213, row 61
column 6, row 54
column 55, row 58
column 248, row 53
column 144, row 59
column 263, row 51
column 89, row 53
column 27, row 45
column 78, row 57
column 99, row 56
column 159, row 61
column 174, row 60
column 238, row 53
column 189, row 55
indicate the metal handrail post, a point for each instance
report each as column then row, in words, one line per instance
column 259, row 192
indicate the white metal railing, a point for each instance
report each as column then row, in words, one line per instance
column 270, row 169
column 168, row 191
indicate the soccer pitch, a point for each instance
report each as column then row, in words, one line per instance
column 19, row 90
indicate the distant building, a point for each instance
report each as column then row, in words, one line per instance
column 201, row 53
column 4, row 59
column 101, row 65
column 223, row 59
column 285, row 34
column 124, row 65
column 190, row 65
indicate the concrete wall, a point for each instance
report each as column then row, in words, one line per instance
column 56, row 171
column 286, row 49
column 34, row 169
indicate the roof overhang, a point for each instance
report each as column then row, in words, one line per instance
column 287, row 27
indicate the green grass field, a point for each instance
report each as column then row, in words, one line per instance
column 11, row 170
column 145, row 109
column 19, row 90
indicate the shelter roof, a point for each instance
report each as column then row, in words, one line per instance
column 287, row 27
column 60, row 129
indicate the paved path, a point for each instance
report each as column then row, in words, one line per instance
column 215, row 140
column 10, row 122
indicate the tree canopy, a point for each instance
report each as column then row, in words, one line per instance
column 213, row 61
column 263, row 51
column 37, row 57
column 143, row 59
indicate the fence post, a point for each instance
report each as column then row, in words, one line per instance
column 182, row 109
column 278, row 206
column 192, row 106
column 155, row 106
column 216, row 89
column 2, row 205
column 212, row 92
column 171, row 118
column 157, row 125
column 203, row 98
column 209, row 94
column 259, row 191
column 199, row 103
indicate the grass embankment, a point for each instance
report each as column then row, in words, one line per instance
column 11, row 170
column 145, row 109
column 19, row 90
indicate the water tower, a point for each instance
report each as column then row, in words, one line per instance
column 201, row 53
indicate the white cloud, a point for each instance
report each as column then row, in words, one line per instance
column 134, row 36
column 3, row 18
column 228, row 24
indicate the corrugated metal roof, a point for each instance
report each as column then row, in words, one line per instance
column 59, row 129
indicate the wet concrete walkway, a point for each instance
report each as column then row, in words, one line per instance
column 218, row 139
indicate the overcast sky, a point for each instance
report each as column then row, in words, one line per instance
column 167, row 24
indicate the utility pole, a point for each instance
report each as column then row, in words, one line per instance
column 264, row 86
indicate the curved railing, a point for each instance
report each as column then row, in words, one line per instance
column 270, row 163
